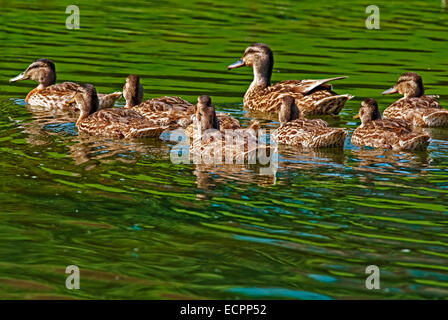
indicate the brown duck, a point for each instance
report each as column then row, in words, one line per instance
column 169, row 110
column 111, row 122
column 313, row 97
column 303, row 132
column 393, row 134
column 209, row 140
column 51, row 95
column 415, row 107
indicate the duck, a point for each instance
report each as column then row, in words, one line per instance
column 415, row 107
column 111, row 122
column 210, row 142
column 51, row 95
column 395, row 134
column 168, row 110
column 305, row 133
column 313, row 97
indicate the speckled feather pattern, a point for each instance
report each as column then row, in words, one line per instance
column 391, row 134
column 171, row 111
column 245, row 149
column 310, row 134
column 311, row 99
column 119, row 123
column 422, row 111
column 226, row 122
column 57, row 95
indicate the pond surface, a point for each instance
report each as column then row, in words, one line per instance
column 141, row 227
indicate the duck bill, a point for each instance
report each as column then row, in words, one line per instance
column 238, row 64
column 390, row 91
column 19, row 77
column 356, row 116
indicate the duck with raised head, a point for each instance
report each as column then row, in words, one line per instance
column 415, row 107
column 305, row 133
column 313, row 97
column 51, row 95
column 111, row 122
column 209, row 140
column 393, row 134
column 168, row 110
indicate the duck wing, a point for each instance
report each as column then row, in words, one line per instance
column 306, row 86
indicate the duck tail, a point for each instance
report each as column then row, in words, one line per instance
column 333, row 104
column 437, row 118
column 108, row 100
column 416, row 142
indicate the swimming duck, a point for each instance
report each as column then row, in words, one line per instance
column 303, row 132
column 313, row 97
column 111, row 122
column 393, row 134
column 169, row 110
column 210, row 141
column 415, row 107
column 52, row 95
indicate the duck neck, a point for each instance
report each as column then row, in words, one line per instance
column 262, row 74
column 83, row 115
column 46, row 79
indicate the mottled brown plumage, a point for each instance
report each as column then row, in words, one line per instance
column 226, row 122
column 393, row 134
column 305, row 133
column 170, row 111
column 415, row 107
column 112, row 122
column 229, row 146
column 51, row 95
column 313, row 97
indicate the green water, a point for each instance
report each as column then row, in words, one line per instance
column 140, row 227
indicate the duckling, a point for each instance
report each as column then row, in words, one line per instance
column 112, row 122
column 169, row 110
column 52, row 95
column 208, row 140
column 303, row 132
column 393, row 134
column 313, row 97
column 415, row 107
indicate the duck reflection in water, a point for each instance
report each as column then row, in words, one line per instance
column 383, row 161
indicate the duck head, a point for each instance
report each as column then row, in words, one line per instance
column 258, row 56
column 86, row 100
column 409, row 85
column 205, row 114
column 369, row 111
column 133, row 91
column 42, row 71
column 288, row 111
